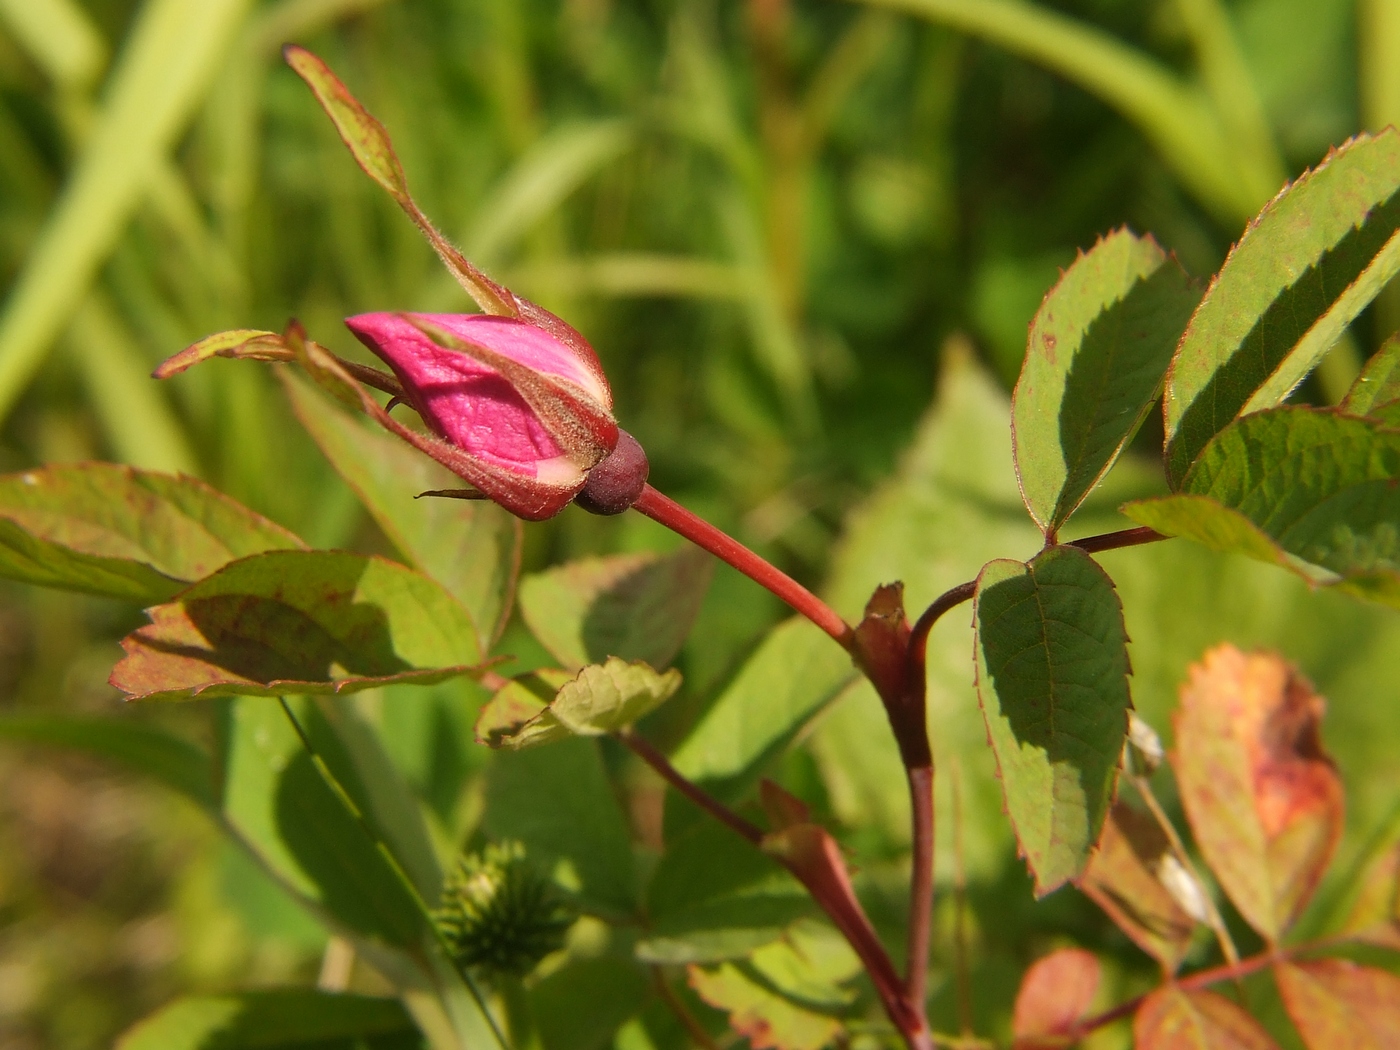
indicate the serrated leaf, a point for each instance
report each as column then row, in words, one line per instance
column 1125, row 879
column 298, row 622
column 1305, row 268
column 1052, row 677
column 793, row 674
column 1264, row 801
column 767, row 1020
column 1313, row 490
column 292, row 1019
column 142, row 749
column 1375, row 913
column 514, row 704
column 1378, row 383
column 561, row 805
column 600, row 699
column 714, row 896
column 633, row 606
column 1173, row 1019
column 1336, row 1003
column 123, row 533
column 1098, row 351
column 472, row 548
column 1055, row 995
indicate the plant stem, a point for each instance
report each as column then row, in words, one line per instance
column 1110, row 541
column 668, row 512
column 643, row 749
column 920, row 885
column 918, row 636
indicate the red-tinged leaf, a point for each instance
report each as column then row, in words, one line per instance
column 1375, row 914
column 1263, row 799
column 1132, row 878
column 298, row 622
column 1173, row 1019
column 251, row 343
column 1337, row 1005
column 768, row 1021
column 1055, row 995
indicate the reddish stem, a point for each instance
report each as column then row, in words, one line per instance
column 669, row 773
column 1110, row 541
column 723, row 546
column 920, row 885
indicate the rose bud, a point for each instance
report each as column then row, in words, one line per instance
column 532, row 412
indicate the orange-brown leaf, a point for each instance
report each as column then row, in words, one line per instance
column 1335, row 1003
column 1173, row 1019
column 1125, row 879
column 1055, row 995
column 1263, row 798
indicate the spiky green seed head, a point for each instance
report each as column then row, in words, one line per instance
column 499, row 915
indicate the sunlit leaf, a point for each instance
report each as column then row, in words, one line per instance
column 811, row 963
column 632, row 606
column 1336, row 1003
column 471, row 547
column 253, row 344
column 1173, row 1019
column 1052, row 675
column 298, row 622
column 288, row 1019
column 1132, row 876
column 1378, row 383
column 1264, row 800
column 1056, row 994
column 121, row 532
column 1098, row 351
column 1305, row 268
column 767, row 1020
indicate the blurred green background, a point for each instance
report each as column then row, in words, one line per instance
column 784, row 224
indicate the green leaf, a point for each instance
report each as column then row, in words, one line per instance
column 599, row 700
column 1336, row 1003
column 581, row 1006
column 1052, row 676
column 633, row 606
column 298, row 622
column 1098, row 351
column 1378, row 383
column 810, row 964
column 1305, row 268
column 142, row 749
column 173, row 50
column 1173, row 1019
column 783, row 685
column 121, row 532
column 294, row 1019
column 472, row 548
column 764, row 1017
column 559, row 802
column 714, row 896
column 1312, row 490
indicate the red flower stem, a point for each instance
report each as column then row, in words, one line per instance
column 668, row 512
column 920, row 885
column 643, row 749
column 1110, row 541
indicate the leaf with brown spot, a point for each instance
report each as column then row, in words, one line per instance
column 1337, row 1005
column 298, row 622
column 1263, row 799
column 1055, row 995
column 1173, row 1019
column 1124, row 878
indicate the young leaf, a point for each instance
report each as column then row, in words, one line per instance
column 1132, row 877
column 600, row 699
column 1099, row 348
column 784, row 684
column 298, row 622
column 122, row 532
column 514, row 704
column 290, row 1019
column 472, row 548
column 713, row 897
column 1309, row 489
column 1056, row 994
column 1336, row 1003
column 1378, row 383
column 1264, row 801
column 1305, row 268
column 633, row 606
column 1173, row 1019
column 560, row 804
column 767, row 1020
column 142, row 749
column 1052, row 677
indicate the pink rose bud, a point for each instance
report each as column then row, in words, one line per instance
column 532, row 411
